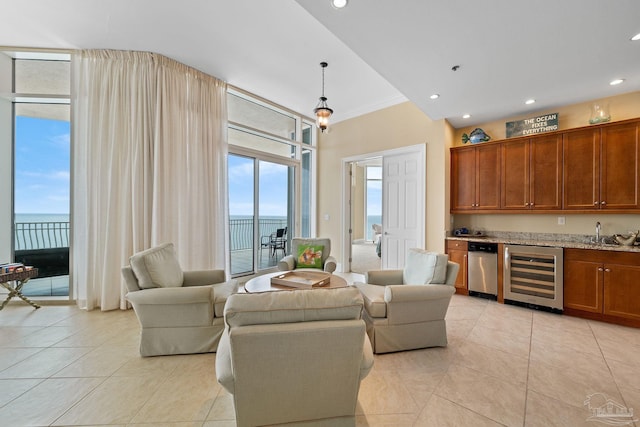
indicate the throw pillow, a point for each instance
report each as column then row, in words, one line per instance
column 310, row 256
column 424, row 267
column 157, row 267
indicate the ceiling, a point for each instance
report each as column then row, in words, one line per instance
column 379, row 52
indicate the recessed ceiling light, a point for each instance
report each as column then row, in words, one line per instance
column 616, row 82
column 530, row 101
column 466, row 116
column 338, row 4
column 434, row 96
column 636, row 37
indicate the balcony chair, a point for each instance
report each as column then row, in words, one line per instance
column 309, row 253
column 180, row 312
column 405, row 309
column 278, row 241
column 294, row 356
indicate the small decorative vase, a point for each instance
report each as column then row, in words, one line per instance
column 599, row 113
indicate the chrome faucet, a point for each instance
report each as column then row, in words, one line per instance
column 598, row 228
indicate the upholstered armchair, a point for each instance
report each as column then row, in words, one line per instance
column 377, row 232
column 294, row 356
column 405, row 309
column 309, row 253
column 180, row 312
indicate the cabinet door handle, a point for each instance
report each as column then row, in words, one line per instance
column 600, row 269
column 531, row 204
column 595, row 203
column 607, row 270
column 603, row 202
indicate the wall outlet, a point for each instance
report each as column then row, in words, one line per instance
column 561, row 220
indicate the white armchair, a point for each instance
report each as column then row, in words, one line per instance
column 405, row 309
column 326, row 261
column 294, row 356
column 179, row 312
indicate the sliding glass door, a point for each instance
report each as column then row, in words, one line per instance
column 260, row 212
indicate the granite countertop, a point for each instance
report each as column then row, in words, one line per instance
column 546, row 239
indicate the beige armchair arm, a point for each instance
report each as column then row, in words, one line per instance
column 412, row 293
column 417, row 303
column 383, row 277
column 171, row 296
column 203, row 277
column 330, row 264
column 287, row 263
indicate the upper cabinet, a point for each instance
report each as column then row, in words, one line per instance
column 475, row 178
column 532, row 173
column 601, row 168
column 586, row 169
column 619, row 173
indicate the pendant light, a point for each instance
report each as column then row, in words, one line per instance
column 322, row 110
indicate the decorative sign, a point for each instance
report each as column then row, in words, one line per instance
column 540, row 124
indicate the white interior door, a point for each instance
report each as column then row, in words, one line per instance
column 403, row 207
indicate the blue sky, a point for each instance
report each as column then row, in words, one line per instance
column 273, row 185
column 41, row 166
column 42, row 174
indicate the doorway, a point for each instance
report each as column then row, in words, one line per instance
column 261, row 212
column 366, row 214
column 402, row 183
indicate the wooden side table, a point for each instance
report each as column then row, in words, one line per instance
column 20, row 277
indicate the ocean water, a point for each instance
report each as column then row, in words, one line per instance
column 41, row 217
column 33, row 237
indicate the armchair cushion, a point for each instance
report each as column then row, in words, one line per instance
column 310, row 256
column 424, row 267
column 157, row 267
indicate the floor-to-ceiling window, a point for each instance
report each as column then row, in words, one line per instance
column 40, row 123
column 270, row 169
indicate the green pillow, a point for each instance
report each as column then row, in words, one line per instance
column 310, row 256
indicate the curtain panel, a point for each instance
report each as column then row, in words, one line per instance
column 149, row 166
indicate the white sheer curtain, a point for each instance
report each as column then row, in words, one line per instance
column 149, row 166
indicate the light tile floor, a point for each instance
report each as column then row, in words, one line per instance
column 504, row 366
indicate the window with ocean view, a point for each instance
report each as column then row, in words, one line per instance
column 270, row 168
column 41, row 173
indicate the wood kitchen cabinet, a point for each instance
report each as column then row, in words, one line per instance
column 602, row 285
column 457, row 251
column 532, row 173
column 580, row 170
column 475, row 178
column 601, row 168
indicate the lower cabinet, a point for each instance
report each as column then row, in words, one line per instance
column 602, row 285
column 457, row 251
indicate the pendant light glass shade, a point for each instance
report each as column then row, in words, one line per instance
column 322, row 110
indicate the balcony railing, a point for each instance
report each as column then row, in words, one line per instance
column 47, row 235
column 241, row 230
column 46, row 245
column 41, row 235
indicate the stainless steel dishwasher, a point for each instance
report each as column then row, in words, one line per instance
column 483, row 269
